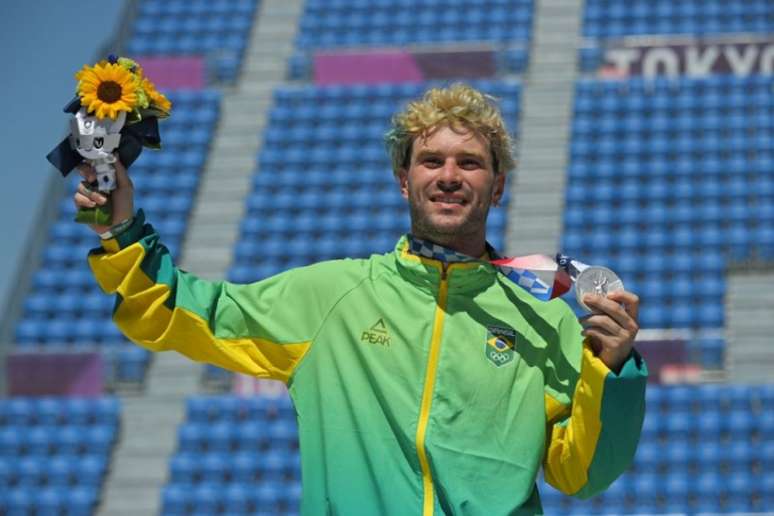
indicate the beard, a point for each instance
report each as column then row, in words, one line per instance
column 440, row 229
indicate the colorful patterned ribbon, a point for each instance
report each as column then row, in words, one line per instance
column 559, row 273
column 523, row 270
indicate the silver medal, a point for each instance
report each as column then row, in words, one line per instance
column 596, row 280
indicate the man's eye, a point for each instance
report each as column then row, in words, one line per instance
column 470, row 164
column 432, row 162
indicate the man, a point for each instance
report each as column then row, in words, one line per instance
column 424, row 381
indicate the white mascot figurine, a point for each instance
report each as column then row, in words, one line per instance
column 95, row 140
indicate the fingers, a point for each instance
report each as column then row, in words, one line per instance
column 601, row 323
column 87, row 172
column 625, row 316
column 81, row 201
column 597, row 338
column 630, row 301
column 85, row 197
column 612, row 328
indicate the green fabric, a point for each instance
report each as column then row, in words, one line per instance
column 136, row 231
column 100, row 215
column 358, row 390
column 623, row 412
column 158, row 264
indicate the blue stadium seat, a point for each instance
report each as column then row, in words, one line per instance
column 267, row 496
column 213, row 467
column 184, row 468
column 236, row 498
column 649, row 456
column 647, row 486
column 766, row 487
column 192, row 437
column 206, row 497
column 709, row 424
column 175, row 499
column 60, row 472
column 31, row 471
column 91, row 470
column 131, row 363
column 245, row 467
column 21, row 500
column 81, row 499
column 764, row 425
column 12, row 443
column 221, row 436
column 676, row 485
column 38, row 439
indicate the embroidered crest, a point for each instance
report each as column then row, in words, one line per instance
column 500, row 345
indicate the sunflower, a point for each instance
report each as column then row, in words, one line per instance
column 107, row 89
column 157, row 99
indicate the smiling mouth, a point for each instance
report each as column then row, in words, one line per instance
column 447, row 200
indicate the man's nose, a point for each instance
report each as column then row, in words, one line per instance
column 449, row 175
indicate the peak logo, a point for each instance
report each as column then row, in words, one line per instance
column 377, row 334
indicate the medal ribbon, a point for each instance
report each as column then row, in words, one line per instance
column 523, row 270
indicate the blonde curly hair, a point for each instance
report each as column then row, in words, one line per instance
column 458, row 106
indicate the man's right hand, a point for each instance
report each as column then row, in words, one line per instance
column 122, row 196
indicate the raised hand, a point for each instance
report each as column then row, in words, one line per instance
column 613, row 326
column 122, row 197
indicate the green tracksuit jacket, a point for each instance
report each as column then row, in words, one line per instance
column 420, row 387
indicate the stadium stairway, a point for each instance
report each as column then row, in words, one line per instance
column 141, row 460
column 537, row 190
column 749, row 324
column 220, row 202
column 148, row 438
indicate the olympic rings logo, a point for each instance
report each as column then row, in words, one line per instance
column 500, row 358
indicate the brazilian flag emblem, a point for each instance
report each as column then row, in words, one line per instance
column 500, row 344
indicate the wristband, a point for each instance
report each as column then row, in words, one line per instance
column 117, row 229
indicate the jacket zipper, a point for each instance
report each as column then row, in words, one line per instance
column 427, row 394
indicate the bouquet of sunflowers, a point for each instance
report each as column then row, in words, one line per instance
column 119, row 84
column 115, row 111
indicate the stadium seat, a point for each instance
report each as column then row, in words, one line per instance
column 184, row 468
column 245, row 467
column 213, row 467
column 236, row 498
column 175, row 499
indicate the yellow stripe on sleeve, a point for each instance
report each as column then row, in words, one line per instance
column 555, row 410
column 110, row 270
column 571, row 448
column 144, row 316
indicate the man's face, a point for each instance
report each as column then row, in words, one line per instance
column 450, row 184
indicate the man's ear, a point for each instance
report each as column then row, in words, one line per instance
column 499, row 188
column 403, row 182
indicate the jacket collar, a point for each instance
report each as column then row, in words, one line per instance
column 425, row 264
column 428, row 249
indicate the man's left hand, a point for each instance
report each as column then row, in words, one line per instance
column 612, row 328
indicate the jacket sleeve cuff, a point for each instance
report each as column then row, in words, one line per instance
column 128, row 236
column 633, row 367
